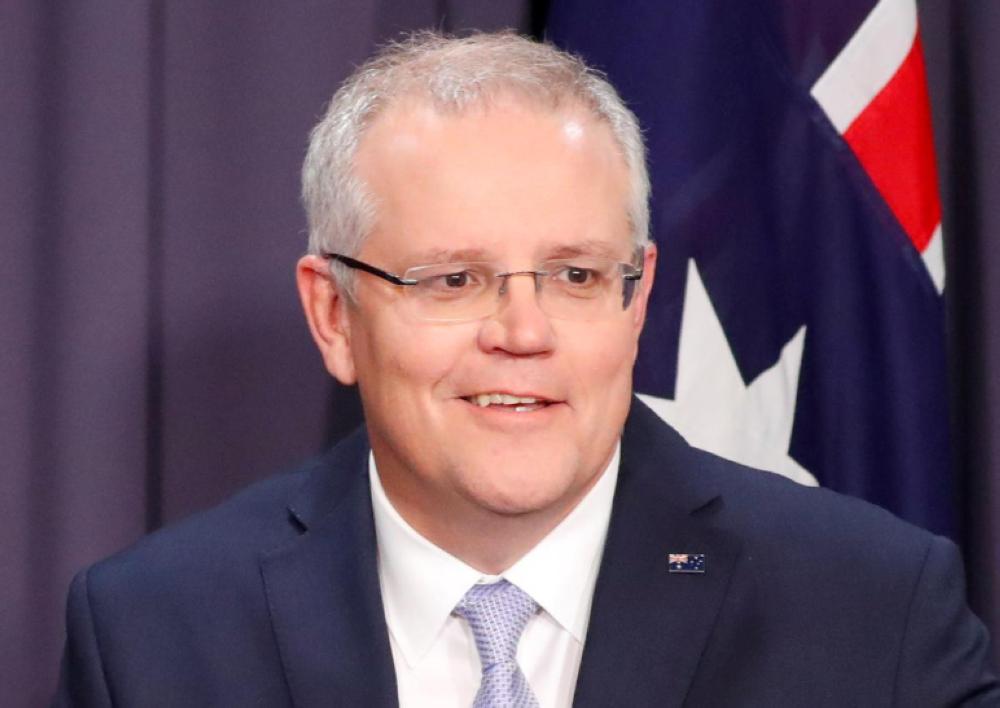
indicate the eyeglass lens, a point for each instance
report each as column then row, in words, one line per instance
column 577, row 289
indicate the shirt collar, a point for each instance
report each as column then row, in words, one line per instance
column 421, row 583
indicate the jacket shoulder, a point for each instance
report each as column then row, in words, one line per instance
column 774, row 511
column 763, row 507
column 228, row 539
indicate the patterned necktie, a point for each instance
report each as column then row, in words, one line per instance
column 497, row 614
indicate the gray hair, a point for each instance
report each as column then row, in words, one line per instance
column 452, row 74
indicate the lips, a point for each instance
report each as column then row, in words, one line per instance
column 515, row 402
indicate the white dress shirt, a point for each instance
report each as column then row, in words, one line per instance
column 434, row 652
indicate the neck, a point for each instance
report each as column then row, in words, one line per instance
column 481, row 547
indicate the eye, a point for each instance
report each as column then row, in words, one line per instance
column 455, row 280
column 576, row 276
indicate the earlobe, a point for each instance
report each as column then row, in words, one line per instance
column 325, row 307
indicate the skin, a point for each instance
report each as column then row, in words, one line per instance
column 515, row 184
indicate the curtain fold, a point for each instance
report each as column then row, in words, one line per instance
column 964, row 74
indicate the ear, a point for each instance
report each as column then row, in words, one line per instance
column 326, row 306
column 645, row 286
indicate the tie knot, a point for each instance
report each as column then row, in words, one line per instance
column 497, row 614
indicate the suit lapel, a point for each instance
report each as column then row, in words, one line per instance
column 323, row 591
column 648, row 627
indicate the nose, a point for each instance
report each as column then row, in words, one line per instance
column 519, row 325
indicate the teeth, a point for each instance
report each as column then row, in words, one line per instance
column 485, row 399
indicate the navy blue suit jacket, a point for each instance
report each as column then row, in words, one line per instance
column 808, row 598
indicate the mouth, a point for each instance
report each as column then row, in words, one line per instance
column 508, row 401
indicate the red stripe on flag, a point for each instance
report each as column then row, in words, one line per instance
column 892, row 138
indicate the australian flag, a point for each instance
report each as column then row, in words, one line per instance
column 797, row 322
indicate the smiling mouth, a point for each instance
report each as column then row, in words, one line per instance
column 506, row 401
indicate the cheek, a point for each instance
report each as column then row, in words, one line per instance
column 405, row 361
column 604, row 359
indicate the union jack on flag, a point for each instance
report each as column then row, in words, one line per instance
column 797, row 323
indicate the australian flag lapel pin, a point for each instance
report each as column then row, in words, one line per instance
column 685, row 562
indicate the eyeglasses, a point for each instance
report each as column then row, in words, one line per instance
column 581, row 288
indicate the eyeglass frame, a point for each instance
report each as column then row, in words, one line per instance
column 628, row 294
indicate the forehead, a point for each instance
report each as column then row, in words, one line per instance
column 493, row 177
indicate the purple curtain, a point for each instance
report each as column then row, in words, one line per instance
column 153, row 356
column 963, row 66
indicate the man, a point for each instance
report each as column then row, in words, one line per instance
column 511, row 527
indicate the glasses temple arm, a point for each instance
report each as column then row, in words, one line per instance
column 361, row 265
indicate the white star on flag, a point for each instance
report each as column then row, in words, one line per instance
column 714, row 410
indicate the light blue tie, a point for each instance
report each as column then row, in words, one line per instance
column 497, row 614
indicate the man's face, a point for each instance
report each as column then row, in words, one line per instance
column 515, row 185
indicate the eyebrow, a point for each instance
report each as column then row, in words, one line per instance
column 587, row 247
column 445, row 255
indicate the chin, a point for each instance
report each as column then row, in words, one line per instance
column 514, row 506
column 520, row 494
